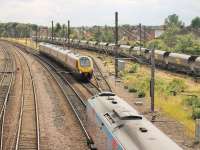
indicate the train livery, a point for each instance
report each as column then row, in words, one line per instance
column 168, row 60
column 80, row 65
column 115, row 125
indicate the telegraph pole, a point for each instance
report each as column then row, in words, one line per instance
column 64, row 33
column 52, row 31
column 144, row 35
column 68, row 32
column 36, row 36
column 152, row 82
column 140, row 30
column 116, row 44
column 26, row 33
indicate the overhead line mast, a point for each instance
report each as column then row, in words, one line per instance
column 116, row 44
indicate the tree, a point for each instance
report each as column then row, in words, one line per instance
column 195, row 22
column 57, row 29
column 173, row 20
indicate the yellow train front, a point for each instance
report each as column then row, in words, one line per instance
column 85, row 67
column 81, row 66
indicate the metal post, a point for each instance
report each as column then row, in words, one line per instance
column 26, row 34
column 152, row 82
column 116, row 44
column 47, row 33
column 52, row 31
column 36, row 37
column 144, row 35
column 140, row 30
column 68, row 33
column 197, row 131
column 64, row 36
column 39, row 33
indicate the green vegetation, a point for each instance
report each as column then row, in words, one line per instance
column 195, row 23
column 134, row 68
column 16, row 30
column 176, row 39
column 132, row 89
column 141, row 94
column 176, row 86
column 194, row 102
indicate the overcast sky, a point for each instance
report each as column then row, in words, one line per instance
column 97, row 12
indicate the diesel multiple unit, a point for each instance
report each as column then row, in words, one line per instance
column 115, row 125
column 173, row 61
column 80, row 65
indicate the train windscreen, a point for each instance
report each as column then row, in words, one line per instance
column 84, row 62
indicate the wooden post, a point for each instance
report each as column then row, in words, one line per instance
column 152, row 82
column 116, row 44
column 197, row 131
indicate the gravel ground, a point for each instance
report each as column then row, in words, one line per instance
column 169, row 126
column 12, row 112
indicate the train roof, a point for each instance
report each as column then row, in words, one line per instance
column 130, row 129
column 111, row 44
column 198, row 59
column 62, row 50
column 83, row 41
column 160, row 52
column 177, row 55
column 103, row 43
column 125, row 46
column 92, row 42
column 57, row 48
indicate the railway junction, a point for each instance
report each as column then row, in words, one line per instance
column 43, row 106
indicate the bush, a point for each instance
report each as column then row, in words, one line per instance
column 196, row 113
column 134, row 68
column 193, row 101
column 176, row 86
column 132, row 89
column 125, row 87
column 141, row 94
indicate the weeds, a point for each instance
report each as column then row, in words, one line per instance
column 134, row 68
column 176, row 86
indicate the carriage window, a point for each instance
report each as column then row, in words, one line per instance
column 84, row 62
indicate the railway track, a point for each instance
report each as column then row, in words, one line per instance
column 28, row 133
column 101, row 81
column 77, row 104
column 6, row 83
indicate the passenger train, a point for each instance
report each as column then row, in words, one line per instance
column 80, row 65
column 115, row 125
column 188, row 64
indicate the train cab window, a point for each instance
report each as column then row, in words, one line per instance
column 84, row 62
column 109, row 118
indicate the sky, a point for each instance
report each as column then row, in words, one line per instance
column 97, row 12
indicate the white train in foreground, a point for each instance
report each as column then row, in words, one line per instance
column 115, row 125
